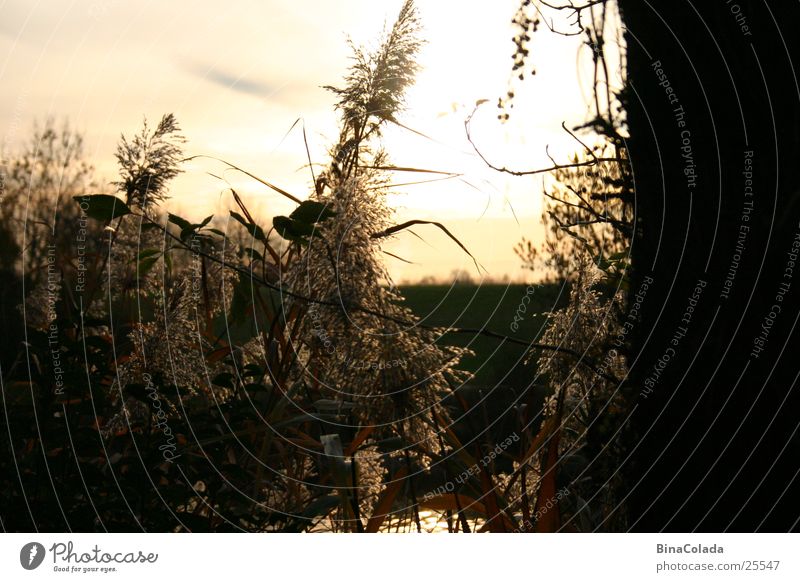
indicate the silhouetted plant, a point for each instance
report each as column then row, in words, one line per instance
column 272, row 381
column 148, row 161
column 36, row 209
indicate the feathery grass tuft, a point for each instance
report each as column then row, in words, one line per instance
column 148, row 161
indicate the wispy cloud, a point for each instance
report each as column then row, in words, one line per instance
column 232, row 81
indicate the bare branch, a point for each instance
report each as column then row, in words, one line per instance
column 576, row 11
column 555, row 167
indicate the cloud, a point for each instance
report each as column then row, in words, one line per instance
column 232, row 81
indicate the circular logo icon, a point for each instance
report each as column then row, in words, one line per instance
column 31, row 555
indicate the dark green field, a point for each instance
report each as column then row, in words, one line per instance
column 491, row 307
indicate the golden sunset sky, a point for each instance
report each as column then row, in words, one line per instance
column 237, row 75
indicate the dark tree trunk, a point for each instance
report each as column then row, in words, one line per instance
column 714, row 391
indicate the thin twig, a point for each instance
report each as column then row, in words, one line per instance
column 505, row 170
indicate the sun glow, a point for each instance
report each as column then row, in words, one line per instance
column 245, row 85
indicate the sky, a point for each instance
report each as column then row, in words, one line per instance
column 239, row 74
